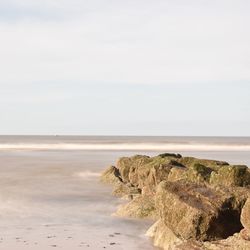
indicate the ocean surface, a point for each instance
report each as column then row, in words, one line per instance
column 51, row 197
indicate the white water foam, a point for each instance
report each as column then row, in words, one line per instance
column 88, row 174
column 127, row 146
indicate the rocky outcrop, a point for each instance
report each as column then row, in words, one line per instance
column 245, row 220
column 197, row 203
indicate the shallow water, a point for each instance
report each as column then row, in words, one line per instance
column 53, row 199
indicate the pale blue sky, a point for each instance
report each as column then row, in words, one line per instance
column 125, row 67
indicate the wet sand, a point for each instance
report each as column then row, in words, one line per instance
column 68, row 237
column 53, row 199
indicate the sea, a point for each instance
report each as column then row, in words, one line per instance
column 51, row 196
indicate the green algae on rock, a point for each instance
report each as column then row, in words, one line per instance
column 231, row 176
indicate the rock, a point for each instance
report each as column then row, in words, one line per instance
column 140, row 207
column 163, row 236
column 234, row 242
column 198, row 203
column 245, row 235
column 176, row 174
column 170, row 155
column 202, row 214
column 231, row 176
column 121, row 189
column 196, row 173
column 213, row 164
column 126, row 165
column 142, row 171
column 111, row 176
column 245, row 217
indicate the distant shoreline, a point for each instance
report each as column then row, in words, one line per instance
column 126, row 143
column 125, row 146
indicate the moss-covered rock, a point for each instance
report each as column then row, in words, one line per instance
column 176, row 174
column 194, row 199
column 129, row 165
column 164, row 155
column 140, row 207
column 195, row 211
column 198, row 173
column 111, row 176
column 231, row 176
column 143, row 171
column 126, row 189
column 212, row 164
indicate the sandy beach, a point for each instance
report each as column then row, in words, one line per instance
column 69, row 237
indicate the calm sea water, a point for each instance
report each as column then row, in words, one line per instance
column 50, row 195
column 126, row 143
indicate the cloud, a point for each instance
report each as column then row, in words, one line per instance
column 125, row 42
column 72, row 66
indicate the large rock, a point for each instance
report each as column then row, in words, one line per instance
column 143, row 171
column 197, row 202
column 198, row 212
column 128, row 165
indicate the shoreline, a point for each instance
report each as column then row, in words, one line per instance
column 130, row 146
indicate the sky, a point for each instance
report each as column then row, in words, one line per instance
column 134, row 67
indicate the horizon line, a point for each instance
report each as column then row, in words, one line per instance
column 103, row 135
